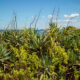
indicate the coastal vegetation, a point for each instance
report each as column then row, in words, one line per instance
column 52, row 55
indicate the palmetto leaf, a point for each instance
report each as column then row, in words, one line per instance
column 4, row 55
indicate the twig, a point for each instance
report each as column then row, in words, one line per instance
column 32, row 21
column 51, row 20
column 37, row 18
column 57, row 17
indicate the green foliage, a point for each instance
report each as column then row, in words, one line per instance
column 53, row 55
column 4, row 55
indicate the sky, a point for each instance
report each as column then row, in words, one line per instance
column 26, row 10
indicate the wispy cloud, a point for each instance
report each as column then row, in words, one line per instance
column 50, row 16
column 68, row 20
column 72, row 15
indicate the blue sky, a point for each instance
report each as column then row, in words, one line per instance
column 27, row 9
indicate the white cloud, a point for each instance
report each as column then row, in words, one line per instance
column 72, row 15
column 50, row 16
column 75, row 15
column 67, row 20
column 66, row 15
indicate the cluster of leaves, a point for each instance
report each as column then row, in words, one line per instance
column 52, row 55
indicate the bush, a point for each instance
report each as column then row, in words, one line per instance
column 53, row 55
